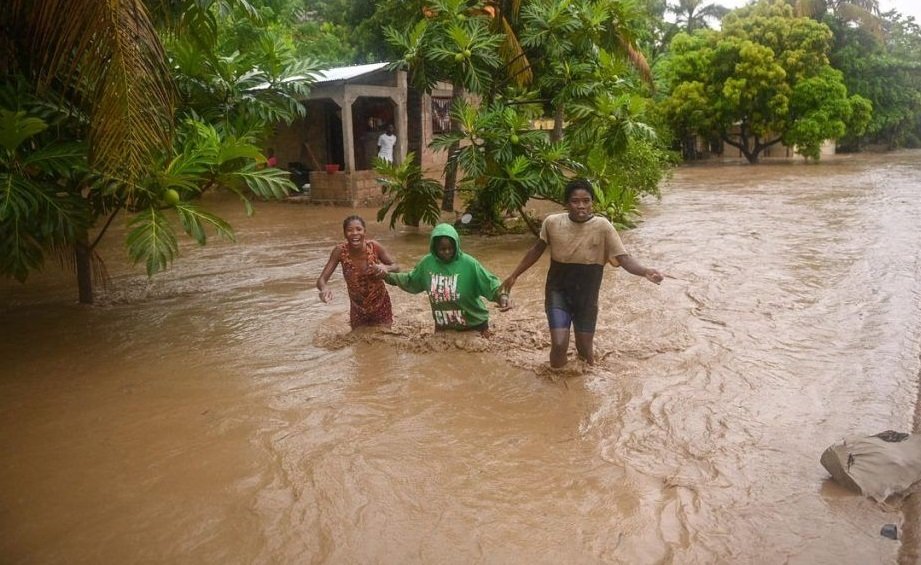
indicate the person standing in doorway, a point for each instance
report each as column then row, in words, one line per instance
column 580, row 243
column 386, row 143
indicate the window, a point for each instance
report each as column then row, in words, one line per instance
column 441, row 115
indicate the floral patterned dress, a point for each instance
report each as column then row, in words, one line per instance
column 370, row 302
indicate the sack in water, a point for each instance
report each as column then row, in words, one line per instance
column 877, row 466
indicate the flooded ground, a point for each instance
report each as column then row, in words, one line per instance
column 221, row 413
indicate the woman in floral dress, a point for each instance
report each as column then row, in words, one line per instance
column 365, row 263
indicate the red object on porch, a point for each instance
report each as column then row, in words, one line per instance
column 332, row 168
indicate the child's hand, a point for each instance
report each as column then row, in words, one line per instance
column 326, row 295
column 654, row 276
column 376, row 270
column 505, row 304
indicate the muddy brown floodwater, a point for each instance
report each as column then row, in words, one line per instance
column 220, row 413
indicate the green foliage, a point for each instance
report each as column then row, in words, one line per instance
column 764, row 78
column 888, row 74
column 202, row 159
column 408, row 195
column 623, row 180
column 152, row 240
column 610, row 120
column 40, row 208
column 456, row 44
column 505, row 162
column 360, row 25
column 821, row 109
column 243, row 95
column 578, row 52
column 54, row 187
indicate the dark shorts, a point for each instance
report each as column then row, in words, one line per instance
column 571, row 296
column 561, row 313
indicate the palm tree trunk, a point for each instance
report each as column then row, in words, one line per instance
column 83, row 258
column 447, row 201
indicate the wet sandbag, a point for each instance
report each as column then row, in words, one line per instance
column 877, row 466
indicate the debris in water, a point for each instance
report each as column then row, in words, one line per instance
column 890, row 531
column 877, row 466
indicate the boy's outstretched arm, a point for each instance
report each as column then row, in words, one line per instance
column 531, row 257
column 634, row 267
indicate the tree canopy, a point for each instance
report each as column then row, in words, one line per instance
column 763, row 79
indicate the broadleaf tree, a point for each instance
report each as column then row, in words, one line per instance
column 763, row 79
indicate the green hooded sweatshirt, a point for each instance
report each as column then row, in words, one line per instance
column 454, row 287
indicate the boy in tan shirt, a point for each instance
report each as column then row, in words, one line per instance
column 580, row 245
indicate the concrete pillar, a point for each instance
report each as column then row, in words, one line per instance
column 400, row 117
column 347, row 136
column 401, row 128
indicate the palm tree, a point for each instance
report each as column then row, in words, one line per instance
column 863, row 12
column 694, row 14
column 504, row 15
column 107, row 57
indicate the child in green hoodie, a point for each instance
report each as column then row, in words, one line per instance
column 454, row 282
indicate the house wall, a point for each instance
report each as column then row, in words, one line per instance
column 352, row 189
column 776, row 151
column 288, row 143
column 431, row 159
column 304, row 144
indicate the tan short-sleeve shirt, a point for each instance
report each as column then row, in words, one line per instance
column 593, row 242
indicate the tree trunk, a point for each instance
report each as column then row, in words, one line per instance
column 83, row 258
column 527, row 220
column 447, row 201
column 751, row 155
column 558, row 115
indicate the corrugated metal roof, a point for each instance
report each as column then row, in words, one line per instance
column 346, row 73
column 332, row 75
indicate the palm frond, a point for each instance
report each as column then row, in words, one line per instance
column 109, row 56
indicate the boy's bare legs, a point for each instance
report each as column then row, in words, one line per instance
column 584, row 346
column 559, row 344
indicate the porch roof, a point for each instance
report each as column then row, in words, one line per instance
column 346, row 73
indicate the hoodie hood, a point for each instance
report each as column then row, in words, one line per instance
column 445, row 230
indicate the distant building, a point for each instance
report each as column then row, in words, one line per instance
column 696, row 147
column 347, row 110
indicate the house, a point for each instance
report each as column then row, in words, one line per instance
column 347, row 110
column 696, row 147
